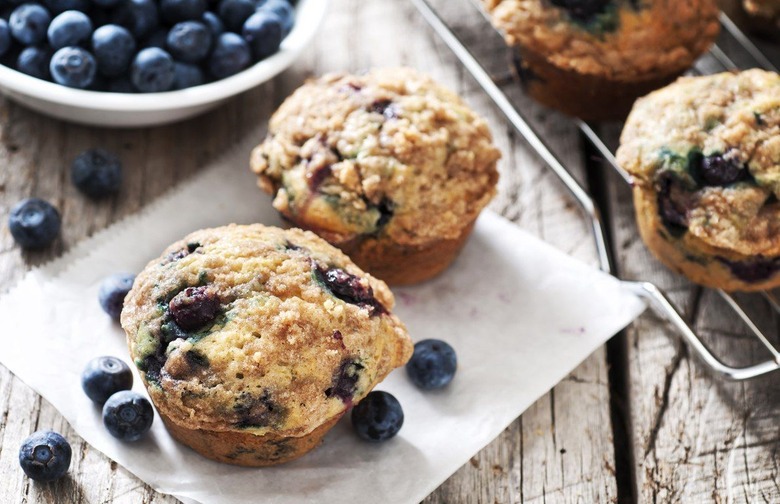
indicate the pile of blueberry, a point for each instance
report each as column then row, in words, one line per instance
column 145, row 46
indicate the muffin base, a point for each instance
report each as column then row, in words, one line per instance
column 700, row 268
column 588, row 97
column 246, row 449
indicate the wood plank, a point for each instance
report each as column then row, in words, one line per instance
column 559, row 451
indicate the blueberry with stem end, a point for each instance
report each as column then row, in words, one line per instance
column 28, row 23
column 97, row 173
column 127, row 415
column 230, row 55
column 45, row 456
column 433, row 364
column 34, row 223
column 73, row 67
column 104, row 376
column 378, row 417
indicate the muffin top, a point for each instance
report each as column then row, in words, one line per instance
column 388, row 152
column 710, row 147
column 617, row 39
column 258, row 329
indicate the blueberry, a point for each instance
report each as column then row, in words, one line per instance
column 283, row 11
column 582, row 10
column 127, row 415
column 73, row 67
column 175, row 11
column 349, row 288
column 755, row 269
column 5, row 37
column 344, row 382
column 432, row 365
column 34, row 223
column 139, row 16
column 189, row 41
column 231, row 54
column 28, row 23
column 34, row 61
column 194, row 307
column 378, row 417
column 71, row 28
column 152, row 70
column 263, row 33
column 59, row 6
column 187, row 76
column 215, row 25
column 673, row 202
column 96, row 173
column 104, row 376
column 718, row 170
column 113, row 47
column 45, row 456
column 112, row 292
column 235, row 12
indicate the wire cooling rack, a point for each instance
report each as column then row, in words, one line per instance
column 463, row 26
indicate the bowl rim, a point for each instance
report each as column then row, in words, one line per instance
column 308, row 17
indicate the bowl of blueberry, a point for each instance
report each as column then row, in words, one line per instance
column 137, row 63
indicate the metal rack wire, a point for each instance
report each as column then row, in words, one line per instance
column 657, row 299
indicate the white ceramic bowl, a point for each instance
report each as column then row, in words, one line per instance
column 133, row 110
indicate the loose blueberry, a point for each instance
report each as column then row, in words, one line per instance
column 152, row 70
column 127, row 415
column 114, row 47
column 235, row 12
column 189, row 41
column 71, row 28
column 231, row 54
column 45, row 456
column 432, row 365
column 263, row 32
column 34, row 61
column 194, row 307
column 187, row 76
column 175, row 11
column 113, row 291
column 378, row 417
column 34, row 223
column 5, row 37
column 28, row 23
column 283, row 10
column 97, row 173
column 718, row 170
column 104, row 376
column 73, row 67
column 215, row 25
column 139, row 16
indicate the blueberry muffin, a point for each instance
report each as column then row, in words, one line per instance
column 593, row 58
column 253, row 341
column 705, row 156
column 388, row 166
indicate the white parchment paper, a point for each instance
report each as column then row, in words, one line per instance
column 520, row 314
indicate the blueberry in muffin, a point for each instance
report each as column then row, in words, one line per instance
column 389, row 166
column 593, row 58
column 705, row 156
column 253, row 341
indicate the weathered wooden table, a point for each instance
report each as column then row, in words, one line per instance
column 639, row 420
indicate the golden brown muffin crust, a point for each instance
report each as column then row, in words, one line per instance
column 629, row 41
column 288, row 349
column 389, row 152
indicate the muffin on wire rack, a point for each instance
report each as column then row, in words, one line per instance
column 389, row 166
column 705, row 156
column 593, row 58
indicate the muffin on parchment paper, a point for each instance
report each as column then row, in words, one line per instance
column 389, row 166
column 253, row 341
column 593, row 58
column 705, row 156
